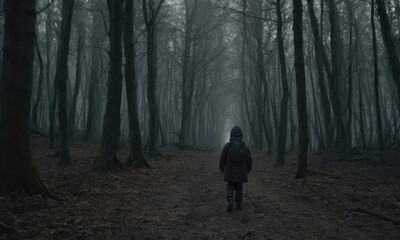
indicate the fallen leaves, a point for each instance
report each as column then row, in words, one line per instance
column 183, row 197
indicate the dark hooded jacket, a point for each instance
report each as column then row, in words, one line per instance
column 235, row 171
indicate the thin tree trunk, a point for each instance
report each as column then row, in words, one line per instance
column 301, row 89
column 93, row 94
column 51, row 104
column 292, row 125
column 280, row 159
column 349, row 135
column 361, row 110
column 376, row 84
column 39, row 88
column 261, row 77
column 108, row 159
column 390, row 46
column 186, row 102
column 340, row 141
column 135, row 157
column 318, row 49
column 150, row 22
column 78, row 77
column 320, row 142
column 61, row 80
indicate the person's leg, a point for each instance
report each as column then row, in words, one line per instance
column 238, row 195
column 230, row 195
column 229, row 191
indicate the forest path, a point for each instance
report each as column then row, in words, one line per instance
column 193, row 196
column 183, row 196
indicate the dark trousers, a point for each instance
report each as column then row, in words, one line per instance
column 234, row 191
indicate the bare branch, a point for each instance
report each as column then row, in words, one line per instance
column 44, row 9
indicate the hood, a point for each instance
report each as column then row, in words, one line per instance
column 236, row 133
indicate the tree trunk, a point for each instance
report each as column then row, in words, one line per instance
column 150, row 22
column 135, row 157
column 17, row 170
column 92, row 89
column 390, row 46
column 318, row 48
column 292, row 125
column 301, row 88
column 151, row 90
column 108, row 159
column 39, row 89
column 315, row 126
column 52, row 117
column 349, row 104
column 361, row 110
column 186, row 80
column 340, row 141
column 61, row 80
column 261, row 80
column 78, row 77
column 49, row 95
column 280, row 159
column 97, row 35
column 376, row 84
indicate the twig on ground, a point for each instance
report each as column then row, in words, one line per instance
column 323, row 174
column 382, row 216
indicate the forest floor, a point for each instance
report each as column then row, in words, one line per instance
column 183, row 197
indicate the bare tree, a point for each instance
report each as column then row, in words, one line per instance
column 318, row 50
column 390, row 46
column 150, row 14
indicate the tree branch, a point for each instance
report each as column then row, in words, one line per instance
column 44, row 9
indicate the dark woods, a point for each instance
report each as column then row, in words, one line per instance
column 298, row 76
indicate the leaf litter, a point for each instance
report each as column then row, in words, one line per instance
column 183, row 197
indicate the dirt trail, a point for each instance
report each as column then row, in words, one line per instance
column 194, row 197
column 183, row 197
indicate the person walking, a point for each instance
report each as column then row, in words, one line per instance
column 236, row 163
